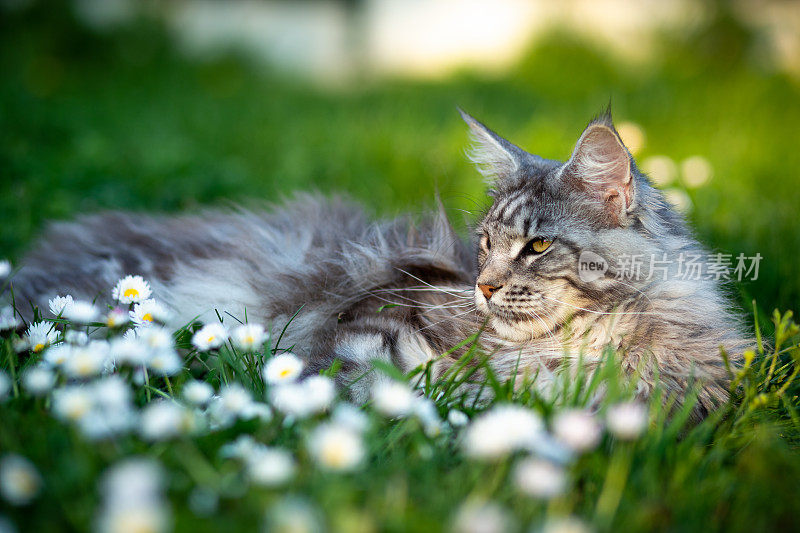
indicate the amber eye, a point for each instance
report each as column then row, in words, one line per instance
column 536, row 246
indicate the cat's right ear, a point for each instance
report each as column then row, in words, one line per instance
column 496, row 158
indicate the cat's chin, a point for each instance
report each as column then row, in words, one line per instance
column 513, row 331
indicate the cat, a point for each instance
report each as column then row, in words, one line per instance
column 406, row 291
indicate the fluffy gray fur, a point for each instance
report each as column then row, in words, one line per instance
column 327, row 257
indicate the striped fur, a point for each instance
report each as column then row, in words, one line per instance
column 327, row 257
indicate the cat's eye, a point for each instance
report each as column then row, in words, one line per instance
column 536, row 246
column 487, row 243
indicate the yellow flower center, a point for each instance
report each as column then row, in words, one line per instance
column 148, row 317
column 285, row 372
column 249, row 339
column 211, row 338
column 130, row 293
column 38, row 347
column 334, row 455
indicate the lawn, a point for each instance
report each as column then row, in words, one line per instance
column 91, row 122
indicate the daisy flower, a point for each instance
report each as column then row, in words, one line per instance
column 38, row 380
column 131, row 289
column 197, row 392
column 77, row 338
column 165, row 363
column 57, row 355
column 86, row 361
column 40, row 335
column 59, row 304
column 116, row 318
column 313, row 395
column 5, row 269
column 347, row 414
column 283, row 368
column 578, row 429
column 627, row 421
column 148, row 311
column 81, row 312
column 72, row 403
column 19, row 480
column 164, row 420
column 8, row 320
column 336, row 447
column 541, row 479
column 210, row 336
column 270, row 467
column 249, row 337
column 393, row 399
column 501, row 430
column 482, row 517
column 457, row 418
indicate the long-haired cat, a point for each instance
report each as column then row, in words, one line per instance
column 521, row 281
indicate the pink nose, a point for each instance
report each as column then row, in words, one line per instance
column 489, row 290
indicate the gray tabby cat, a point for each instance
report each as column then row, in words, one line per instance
column 539, row 311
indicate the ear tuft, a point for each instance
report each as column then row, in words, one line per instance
column 601, row 166
column 497, row 159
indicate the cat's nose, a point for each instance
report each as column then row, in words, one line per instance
column 488, row 290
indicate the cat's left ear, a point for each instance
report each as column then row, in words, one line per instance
column 497, row 159
column 601, row 166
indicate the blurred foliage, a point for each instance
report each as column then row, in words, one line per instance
column 93, row 121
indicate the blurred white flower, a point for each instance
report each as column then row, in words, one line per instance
column 129, row 350
column 627, row 421
column 116, row 317
column 20, row 482
column 162, row 420
column 81, row 312
column 210, row 336
column 5, row 385
column 8, row 319
column 336, row 447
column 249, row 337
column 242, row 448
column 502, row 430
column 428, row 415
column 283, row 368
column 165, row 362
column 541, row 479
column 256, row 410
column 292, row 514
column 457, row 418
column 40, row 335
column 313, row 395
column 131, row 289
column 233, row 398
column 72, row 403
column 349, row 415
column 86, row 361
column 393, row 398
column 162, row 357
column 133, row 499
column 147, row 312
column 57, row 355
column 578, row 429
column 568, row 524
column 38, row 380
column 76, row 337
column 59, row 304
column 197, row 392
column 481, row 517
column 269, row 466
column 5, row 269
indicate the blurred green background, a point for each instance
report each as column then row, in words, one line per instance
column 97, row 115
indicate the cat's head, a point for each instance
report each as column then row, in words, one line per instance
column 551, row 218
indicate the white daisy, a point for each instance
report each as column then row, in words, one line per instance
column 72, row 403
column 336, row 447
column 165, row 362
column 86, row 361
column 8, row 319
column 249, row 337
column 38, row 380
column 59, row 304
column 19, row 480
column 81, row 312
column 78, row 338
column 303, row 399
column 116, row 318
column 40, row 335
column 393, row 399
column 5, row 269
column 349, row 415
column 197, row 392
column 457, row 418
column 627, row 421
column 57, row 355
column 578, row 429
column 127, row 350
column 541, row 479
column 283, row 368
column 502, row 430
column 482, row 517
column 133, row 498
column 164, row 420
column 270, row 466
column 146, row 312
column 210, row 336
column 131, row 289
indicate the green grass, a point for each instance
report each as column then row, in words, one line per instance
column 93, row 122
